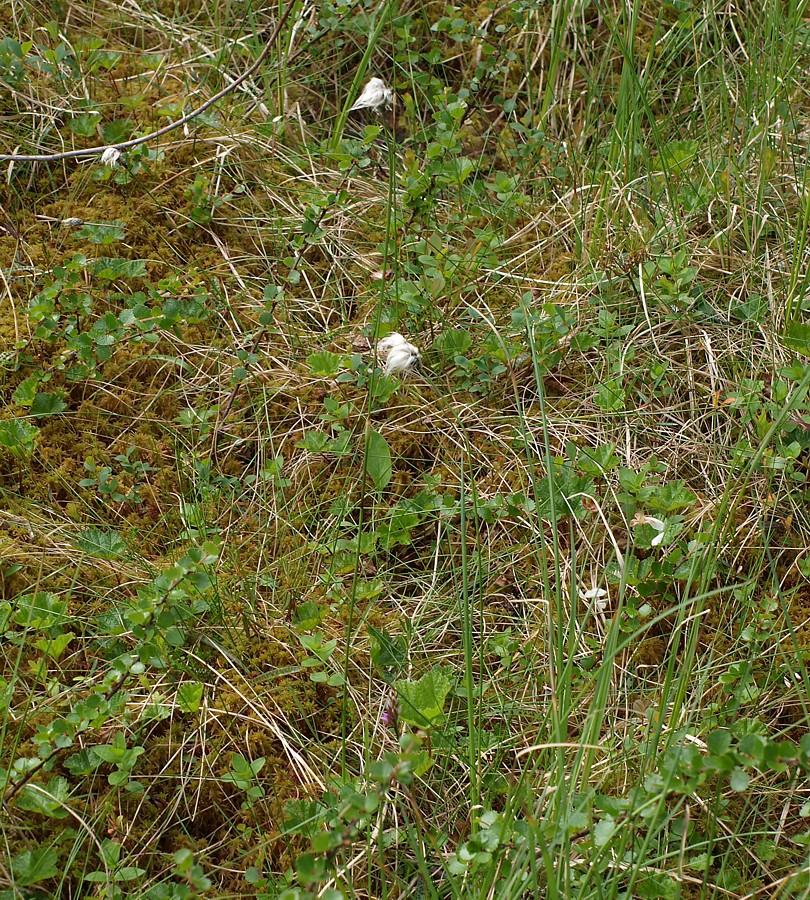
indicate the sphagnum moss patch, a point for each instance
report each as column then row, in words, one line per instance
column 278, row 625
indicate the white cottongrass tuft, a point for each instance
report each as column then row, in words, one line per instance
column 374, row 96
column 110, row 157
column 397, row 354
column 389, row 342
column 401, row 358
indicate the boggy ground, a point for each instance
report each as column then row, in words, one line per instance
column 592, row 221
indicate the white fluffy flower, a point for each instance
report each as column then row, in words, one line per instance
column 401, row 358
column 396, row 353
column 110, row 157
column 374, row 96
column 389, row 342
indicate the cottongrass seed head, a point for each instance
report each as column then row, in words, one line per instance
column 397, row 354
column 389, row 342
column 374, row 96
column 110, row 157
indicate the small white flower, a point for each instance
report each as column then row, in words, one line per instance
column 598, row 595
column 398, row 354
column 110, row 157
column 374, row 96
column 658, row 524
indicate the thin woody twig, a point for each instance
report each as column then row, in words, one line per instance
column 136, row 142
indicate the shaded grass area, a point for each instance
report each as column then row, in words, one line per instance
column 530, row 621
